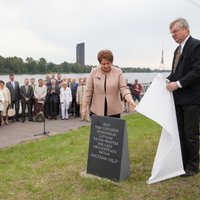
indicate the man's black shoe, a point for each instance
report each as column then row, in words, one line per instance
column 188, row 173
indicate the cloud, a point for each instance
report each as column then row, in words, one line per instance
column 135, row 31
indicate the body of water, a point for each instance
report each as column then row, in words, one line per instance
column 142, row 77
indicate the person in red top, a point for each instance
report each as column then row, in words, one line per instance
column 137, row 89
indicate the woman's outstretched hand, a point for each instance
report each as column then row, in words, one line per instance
column 132, row 105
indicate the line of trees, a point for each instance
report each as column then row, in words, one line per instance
column 142, row 70
column 30, row 66
column 138, row 69
column 17, row 65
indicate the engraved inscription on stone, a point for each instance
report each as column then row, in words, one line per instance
column 105, row 144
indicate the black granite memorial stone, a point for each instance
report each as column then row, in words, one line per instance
column 108, row 154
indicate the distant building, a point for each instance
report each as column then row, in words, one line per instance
column 80, row 53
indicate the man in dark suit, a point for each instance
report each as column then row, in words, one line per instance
column 74, row 105
column 53, row 92
column 184, row 82
column 13, row 87
column 32, row 83
column 26, row 92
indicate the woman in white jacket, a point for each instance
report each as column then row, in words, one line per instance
column 65, row 100
column 7, row 101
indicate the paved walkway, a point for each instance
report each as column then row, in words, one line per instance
column 17, row 132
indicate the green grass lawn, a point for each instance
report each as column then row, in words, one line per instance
column 50, row 168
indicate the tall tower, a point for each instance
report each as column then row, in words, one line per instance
column 80, row 53
column 162, row 65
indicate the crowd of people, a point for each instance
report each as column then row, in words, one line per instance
column 54, row 96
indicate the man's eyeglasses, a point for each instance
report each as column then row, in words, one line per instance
column 176, row 31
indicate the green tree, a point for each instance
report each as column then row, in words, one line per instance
column 42, row 65
column 31, row 65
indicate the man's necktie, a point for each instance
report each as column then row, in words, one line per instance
column 178, row 54
column 26, row 89
column 13, row 84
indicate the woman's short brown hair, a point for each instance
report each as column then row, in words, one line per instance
column 2, row 82
column 105, row 54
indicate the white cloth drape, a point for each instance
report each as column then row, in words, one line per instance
column 158, row 105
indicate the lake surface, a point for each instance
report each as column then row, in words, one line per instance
column 142, row 77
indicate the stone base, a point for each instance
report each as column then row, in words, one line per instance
column 84, row 174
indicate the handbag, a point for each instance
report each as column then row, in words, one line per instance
column 11, row 111
column 40, row 117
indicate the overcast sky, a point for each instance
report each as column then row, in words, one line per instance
column 135, row 30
